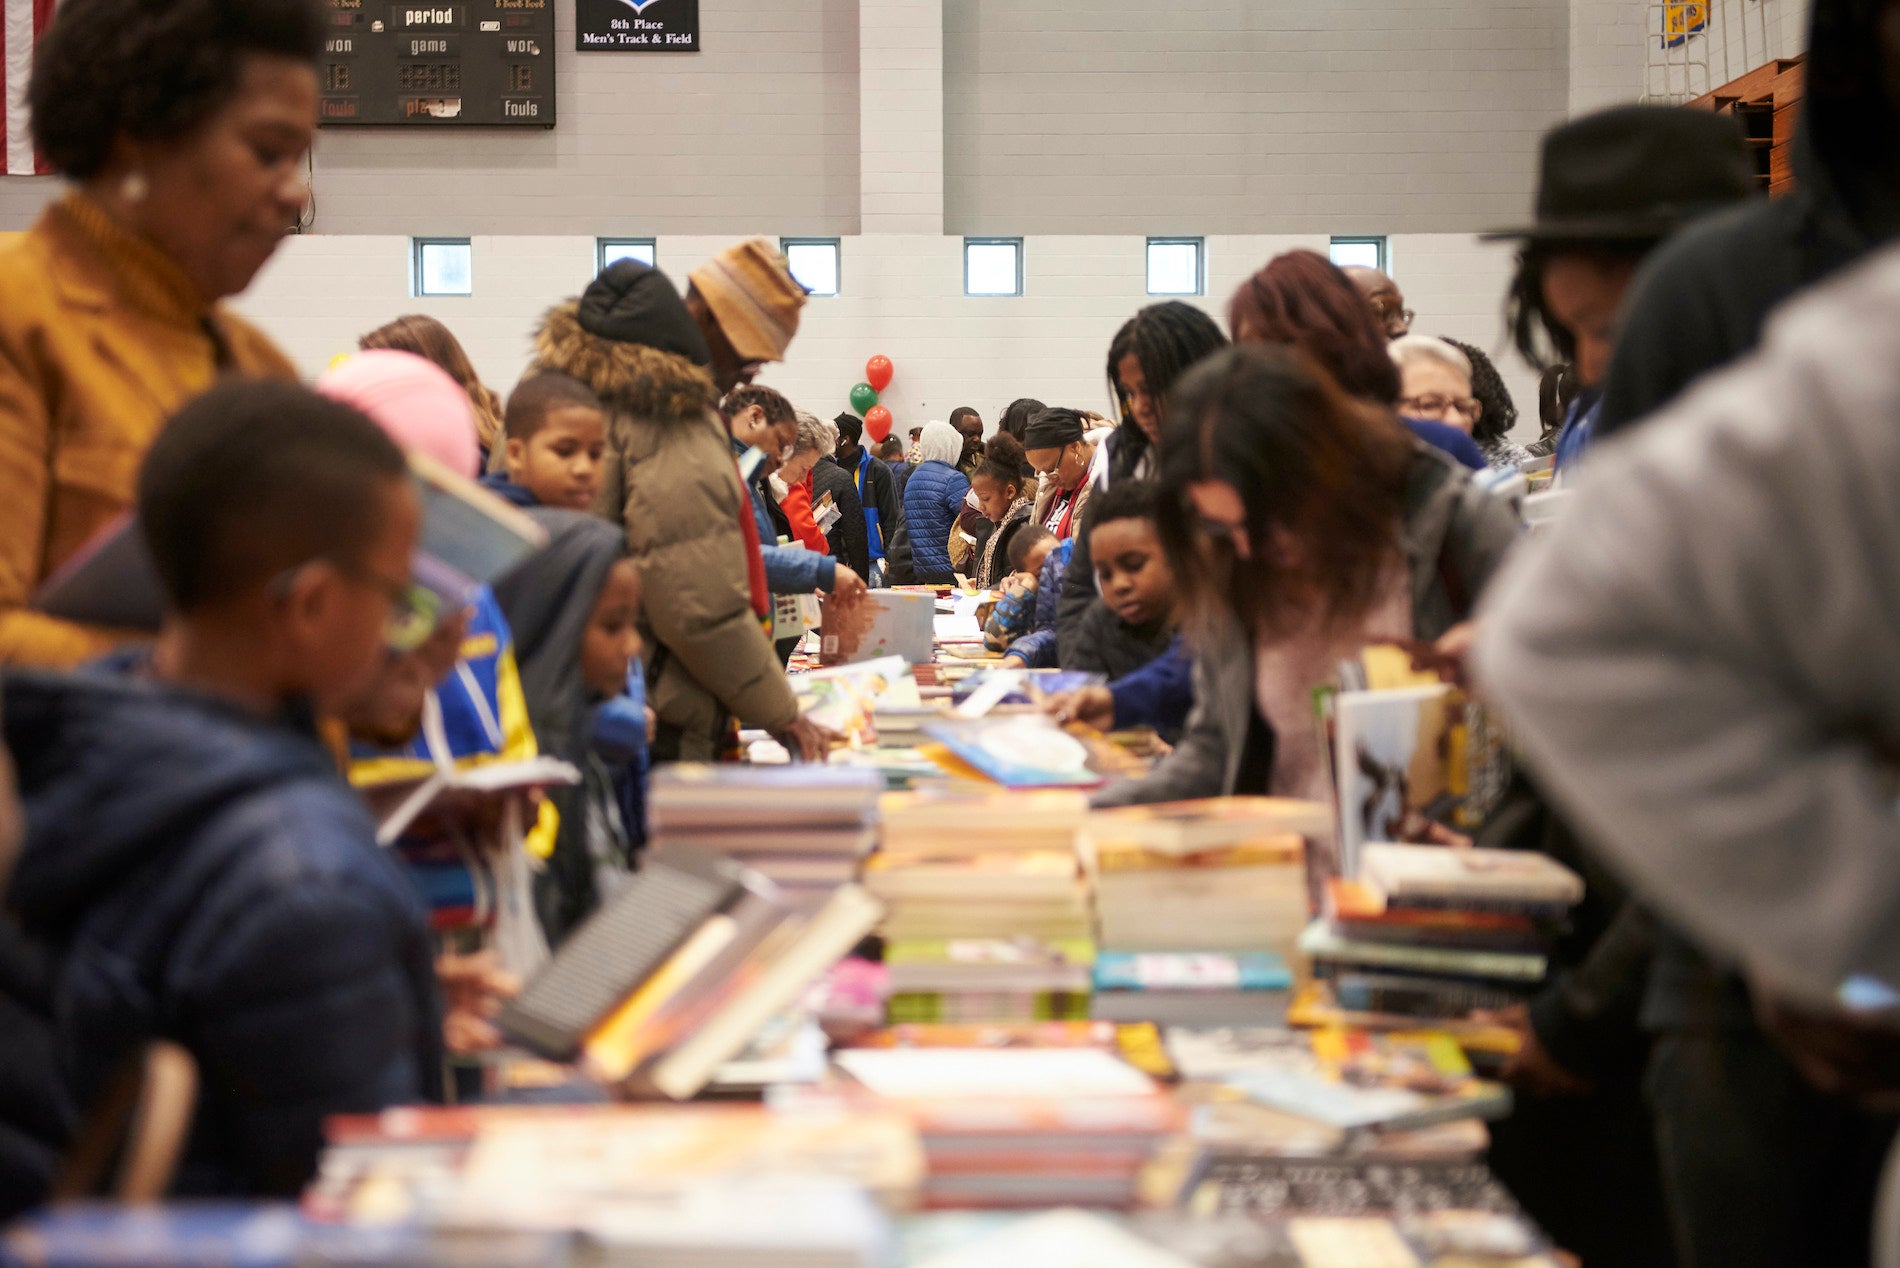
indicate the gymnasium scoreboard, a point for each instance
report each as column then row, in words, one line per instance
column 455, row 63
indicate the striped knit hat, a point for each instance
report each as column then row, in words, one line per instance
column 754, row 298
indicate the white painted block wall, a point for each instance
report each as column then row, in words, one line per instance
column 903, row 298
column 1245, row 116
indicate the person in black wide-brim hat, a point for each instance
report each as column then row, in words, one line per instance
column 1610, row 187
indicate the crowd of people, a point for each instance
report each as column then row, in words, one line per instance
column 1692, row 659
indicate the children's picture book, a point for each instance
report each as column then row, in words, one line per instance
column 461, row 790
column 848, row 698
column 1410, row 757
column 882, row 623
column 1019, row 751
column 1354, row 1080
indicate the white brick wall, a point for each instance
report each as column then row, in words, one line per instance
column 903, row 297
column 1246, row 116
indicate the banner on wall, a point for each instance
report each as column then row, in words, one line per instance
column 637, row 26
column 1682, row 19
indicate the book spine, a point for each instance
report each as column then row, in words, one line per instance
column 1417, row 997
column 1535, row 908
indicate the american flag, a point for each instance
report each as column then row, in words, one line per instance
column 25, row 21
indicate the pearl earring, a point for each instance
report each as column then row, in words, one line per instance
column 134, row 187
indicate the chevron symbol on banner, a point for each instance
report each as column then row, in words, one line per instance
column 639, row 6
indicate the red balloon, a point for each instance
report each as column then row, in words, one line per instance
column 877, row 421
column 878, row 371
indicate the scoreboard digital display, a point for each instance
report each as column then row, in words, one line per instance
column 459, row 63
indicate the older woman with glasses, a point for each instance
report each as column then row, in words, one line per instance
column 1435, row 385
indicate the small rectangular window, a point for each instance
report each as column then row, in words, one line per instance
column 1176, row 266
column 814, row 263
column 992, row 266
column 444, row 266
column 1365, row 252
column 611, row 250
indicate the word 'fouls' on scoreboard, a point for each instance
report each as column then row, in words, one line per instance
column 468, row 63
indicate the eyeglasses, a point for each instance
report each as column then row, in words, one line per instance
column 1386, row 312
column 414, row 610
column 1435, row 407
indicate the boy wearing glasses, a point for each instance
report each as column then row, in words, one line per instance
column 196, row 870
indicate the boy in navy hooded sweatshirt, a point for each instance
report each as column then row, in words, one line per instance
column 195, row 867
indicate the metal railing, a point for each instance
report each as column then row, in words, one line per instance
column 1696, row 46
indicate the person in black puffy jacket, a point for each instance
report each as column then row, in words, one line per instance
column 932, row 499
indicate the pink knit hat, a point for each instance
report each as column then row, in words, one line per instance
column 416, row 402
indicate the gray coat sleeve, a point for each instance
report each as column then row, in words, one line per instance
column 1198, row 765
column 1702, row 660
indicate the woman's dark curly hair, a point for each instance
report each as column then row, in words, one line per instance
column 150, row 71
column 1487, row 388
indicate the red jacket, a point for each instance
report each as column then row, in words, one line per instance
column 797, row 507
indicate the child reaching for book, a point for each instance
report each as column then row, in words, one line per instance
column 1016, row 617
column 1131, row 620
column 575, row 611
column 557, row 436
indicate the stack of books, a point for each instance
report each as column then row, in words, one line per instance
column 806, row 828
column 989, row 915
column 1197, row 904
column 692, row 957
column 1433, row 933
column 965, row 980
column 689, row 1185
column 1022, row 1127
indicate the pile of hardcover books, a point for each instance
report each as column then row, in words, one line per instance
column 989, row 916
column 1430, row 932
column 806, row 828
column 1197, row 905
column 1022, row 1127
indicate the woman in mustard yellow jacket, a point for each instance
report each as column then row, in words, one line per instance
column 183, row 128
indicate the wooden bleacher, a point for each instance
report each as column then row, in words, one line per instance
column 1767, row 102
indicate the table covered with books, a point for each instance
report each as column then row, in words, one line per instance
column 921, row 1005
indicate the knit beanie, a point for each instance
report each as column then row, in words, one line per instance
column 850, row 426
column 633, row 302
column 413, row 400
column 754, row 297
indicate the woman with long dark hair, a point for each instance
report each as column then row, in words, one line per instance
column 1302, row 525
column 1147, row 356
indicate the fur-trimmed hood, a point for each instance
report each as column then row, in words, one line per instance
column 629, row 377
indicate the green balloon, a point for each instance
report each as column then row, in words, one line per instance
column 863, row 397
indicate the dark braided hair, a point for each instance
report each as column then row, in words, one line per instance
column 1537, row 334
column 1487, row 388
column 1165, row 340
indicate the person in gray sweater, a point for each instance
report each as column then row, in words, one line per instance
column 1326, row 499
column 1702, row 660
